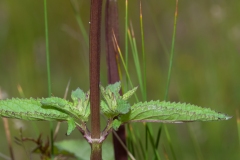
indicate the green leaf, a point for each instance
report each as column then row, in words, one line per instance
column 129, row 93
column 168, row 112
column 81, row 103
column 106, row 110
column 55, row 102
column 123, row 106
column 78, row 95
column 108, row 96
column 116, row 124
column 114, row 104
column 30, row 109
column 71, row 126
column 79, row 109
column 62, row 105
column 114, row 88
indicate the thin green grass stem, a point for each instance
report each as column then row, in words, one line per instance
column 47, row 49
column 157, row 140
column 133, row 44
column 169, row 142
column 135, row 139
column 146, row 142
column 130, row 140
column 124, row 66
column 169, row 76
column 158, row 136
column 48, row 70
column 157, row 157
column 80, row 23
column 131, row 137
column 159, row 34
column 124, row 146
column 142, row 80
column 144, row 87
column 141, row 148
column 143, row 57
column 126, row 38
column 195, row 143
column 172, row 52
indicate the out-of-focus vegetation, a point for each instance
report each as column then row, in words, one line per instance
column 206, row 68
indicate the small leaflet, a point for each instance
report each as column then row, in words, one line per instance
column 114, row 104
column 71, row 126
column 116, row 124
column 129, row 93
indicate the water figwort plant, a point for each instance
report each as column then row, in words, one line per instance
column 114, row 106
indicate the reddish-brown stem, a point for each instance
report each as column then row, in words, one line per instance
column 111, row 24
column 94, row 56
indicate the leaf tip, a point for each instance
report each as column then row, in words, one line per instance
column 228, row 117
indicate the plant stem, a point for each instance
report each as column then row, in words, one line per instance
column 169, row 76
column 172, row 51
column 96, row 152
column 47, row 49
column 111, row 29
column 143, row 57
column 126, row 38
column 48, row 70
column 94, row 56
column 79, row 21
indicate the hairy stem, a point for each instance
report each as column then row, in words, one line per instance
column 96, row 152
column 94, row 56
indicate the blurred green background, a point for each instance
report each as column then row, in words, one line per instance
column 206, row 67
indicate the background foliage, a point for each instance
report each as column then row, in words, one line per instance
column 205, row 69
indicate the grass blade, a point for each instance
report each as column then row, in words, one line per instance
column 133, row 44
column 124, row 146
column 169, row 142
column 80, row 23
column 152, row 143
column 172, row 52
column 143, row 57
column 158, row 136
column 169, row 75
column 195, row 143
column 48, row 70
column 126, row 39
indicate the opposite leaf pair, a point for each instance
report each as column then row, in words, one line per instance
column 113, row 106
